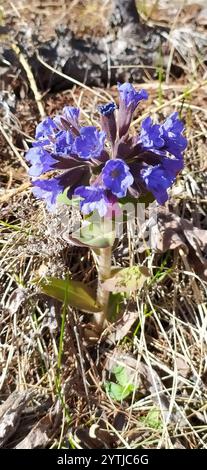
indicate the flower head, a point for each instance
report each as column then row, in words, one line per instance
column 101, row 173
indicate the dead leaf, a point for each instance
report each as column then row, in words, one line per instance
column 16, row 299
column 201, row 18
column 171, row 232
column 10, row 413
column 182, row 367
column 166, row 12
column 39, row 436
column 122, row 326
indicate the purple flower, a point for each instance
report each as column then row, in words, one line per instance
column 45, row 128
column 41, row 161
column 116, row 176
column 93, row 198
column 68, row 120
column 108, row 121
column 164, row 138
column 107, row 109
column 90, row 143
column 157, row 181
column 48, row 190
column 97, row 174
column 64, row 143
column 172, row 165
column 151, row 135
column 129, row 99
column 71, row 113
column 175, row 142
column 129, row 96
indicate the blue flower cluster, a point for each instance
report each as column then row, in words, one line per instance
column 102, row 174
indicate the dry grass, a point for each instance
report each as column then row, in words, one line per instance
column 60, row 365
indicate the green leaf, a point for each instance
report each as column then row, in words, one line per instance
column 118, row 392
column 63, row 199
column 115, row 301
column 73, row 293
column 123, row 388
column 121, row 375
column 153, row 419
column 127, row 279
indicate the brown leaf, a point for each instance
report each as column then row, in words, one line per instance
column 182, row 367
column 201, row 18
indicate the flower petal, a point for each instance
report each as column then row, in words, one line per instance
column 41, row 161
column 45, row 128
column 90, row 143
column 93, row 198
column 129, row 99
column 157, row 181
column 117, row 177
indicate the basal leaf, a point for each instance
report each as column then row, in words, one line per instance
column 115, row 301
column 73, row 293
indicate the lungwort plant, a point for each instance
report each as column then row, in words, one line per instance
column 103, row 168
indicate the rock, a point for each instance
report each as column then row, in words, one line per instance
column 94, row 61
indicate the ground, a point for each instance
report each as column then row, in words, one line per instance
column 59, row 386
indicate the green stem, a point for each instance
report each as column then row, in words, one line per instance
column 104, row 272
